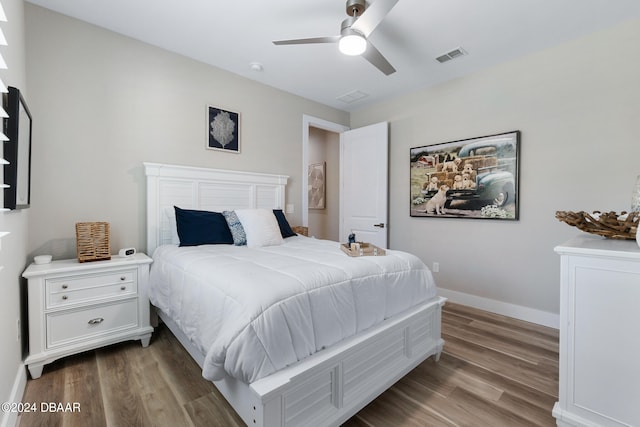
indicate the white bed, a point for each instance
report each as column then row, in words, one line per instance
column 324, row 387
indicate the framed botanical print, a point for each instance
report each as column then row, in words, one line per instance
column 223, row 130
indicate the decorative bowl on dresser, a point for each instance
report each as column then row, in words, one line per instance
column 74, row 307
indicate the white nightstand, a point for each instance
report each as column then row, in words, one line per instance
column 74, row 307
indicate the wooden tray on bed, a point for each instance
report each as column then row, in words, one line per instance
column 367, row 249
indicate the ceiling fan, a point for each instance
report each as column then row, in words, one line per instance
column 354, row 31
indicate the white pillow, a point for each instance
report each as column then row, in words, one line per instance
column 260, row 226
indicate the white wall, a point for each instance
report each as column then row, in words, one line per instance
column 577, row 106
column 104, row 103
column 13, row 255
column 324, row 146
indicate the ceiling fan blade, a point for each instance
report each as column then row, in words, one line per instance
column 375, row 57
column 372, row 16
column 312, row 40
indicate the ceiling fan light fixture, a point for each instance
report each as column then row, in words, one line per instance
column 361, row 22
column 352, row 44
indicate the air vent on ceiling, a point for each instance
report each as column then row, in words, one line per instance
column 455, row 53
column 352, row 96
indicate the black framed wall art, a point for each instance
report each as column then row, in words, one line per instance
column 223, row 130
column 17, row 151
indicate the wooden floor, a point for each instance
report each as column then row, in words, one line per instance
column 494, row 371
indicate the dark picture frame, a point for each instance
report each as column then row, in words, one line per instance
column 470, row 178
column 17, row 151
column 223, row 130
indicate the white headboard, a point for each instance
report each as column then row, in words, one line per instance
column 204, row 189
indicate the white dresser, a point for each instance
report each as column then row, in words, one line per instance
column 599, row 333
column 74, row 307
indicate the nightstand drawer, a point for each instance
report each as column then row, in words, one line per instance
column 89, row 281
column 62, row 292
column 61, row 299
column 72, row 325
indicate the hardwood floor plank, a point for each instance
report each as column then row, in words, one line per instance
column 528, row 409
column 441, row 378
column 356, row 421
column 543, row 342
column 510, row 343
column 395, row 408
column 516, row 369
column 48, row 388
column 532, row 329
column 212, row 410
column 543, row 401
column 456, row 320
column 484, row 413
column 514, row 397
column 181, row 371
column 122, row 401
column 518, row 331
column 494, row 371
column 161, row 405
column 82, row 388
column 461, row 408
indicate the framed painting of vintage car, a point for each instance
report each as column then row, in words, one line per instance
column 469, row 178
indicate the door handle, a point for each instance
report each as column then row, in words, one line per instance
column 381, row 225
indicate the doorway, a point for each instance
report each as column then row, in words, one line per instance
column 362, row 180
column 323, row 184
column 321, row 146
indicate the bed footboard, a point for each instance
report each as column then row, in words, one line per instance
column 334, row 384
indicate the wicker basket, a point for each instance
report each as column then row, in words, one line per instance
column 605, row 224
column 92, row 241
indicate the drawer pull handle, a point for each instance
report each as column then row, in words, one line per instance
column 64, row 297
column 123, row 288
column 123, row 278
column 65, row 286
column 96, row 321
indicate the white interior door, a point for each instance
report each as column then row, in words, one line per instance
column 364, row 190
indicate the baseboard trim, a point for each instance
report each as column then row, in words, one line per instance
column 10, row 419
column 527, row 314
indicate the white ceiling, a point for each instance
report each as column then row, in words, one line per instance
column 232, row 34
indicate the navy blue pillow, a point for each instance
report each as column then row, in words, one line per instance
column 202, row 228
column 285, row 228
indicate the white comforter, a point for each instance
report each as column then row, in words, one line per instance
column 255, row 311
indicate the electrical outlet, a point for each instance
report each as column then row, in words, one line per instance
column 289, row 209
column 436, row 267
column 18, row 330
